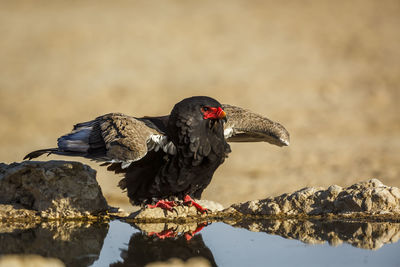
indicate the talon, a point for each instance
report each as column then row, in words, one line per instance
column 187, row 200
column 176, row 210
column 164, row 204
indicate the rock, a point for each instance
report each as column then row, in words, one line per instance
column 17, row 213
column 29, row 261
column 179, row 211
column 158, row 213
column 211, row 205
column 369, row 197
column 55, row 189
column 76, row 243
column 178, row 229
column 366, row 235
column 175, row 262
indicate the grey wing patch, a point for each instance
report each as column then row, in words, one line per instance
column 77, row 140
column 245, row 126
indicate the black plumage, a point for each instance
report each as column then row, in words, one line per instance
column 200, row 149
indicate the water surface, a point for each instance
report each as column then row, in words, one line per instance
column 224, row 245
column 269, row 243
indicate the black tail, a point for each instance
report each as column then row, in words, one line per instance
column 37, row 153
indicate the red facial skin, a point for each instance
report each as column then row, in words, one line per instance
column 213, row 113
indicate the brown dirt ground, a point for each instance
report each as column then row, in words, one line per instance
column 327, row 70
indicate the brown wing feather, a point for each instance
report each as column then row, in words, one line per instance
column 245, row 126
column 125, row 137
column 112, row 137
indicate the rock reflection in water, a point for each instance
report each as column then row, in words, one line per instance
column 366, row 235
column 161, row 242
column 75, row 244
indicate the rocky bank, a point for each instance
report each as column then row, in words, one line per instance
column 369, row 197
column 34, row 190
column 364, row 200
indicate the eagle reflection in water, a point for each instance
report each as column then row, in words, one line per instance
column 147, row 247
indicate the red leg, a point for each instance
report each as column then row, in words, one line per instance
column 164, row 204
column 164, row 234
column 200, row 227
column 187, row 200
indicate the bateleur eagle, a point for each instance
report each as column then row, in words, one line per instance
column 168, row 157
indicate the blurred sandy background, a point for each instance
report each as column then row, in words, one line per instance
column 329, row 71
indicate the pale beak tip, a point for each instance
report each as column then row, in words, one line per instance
column 285, row 142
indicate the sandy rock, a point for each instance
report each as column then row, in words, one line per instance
column 180, row 211
column 29, row 261
column 158, row 213
column 369, row 197
column 55, row 189
column 211, row 205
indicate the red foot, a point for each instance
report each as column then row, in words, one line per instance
column 187, row 200
column 200, row 227
column 164, row 234
column 164, row 204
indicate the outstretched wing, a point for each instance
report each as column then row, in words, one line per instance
column 118, row 138
column 113, row 137
column 245, row 126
